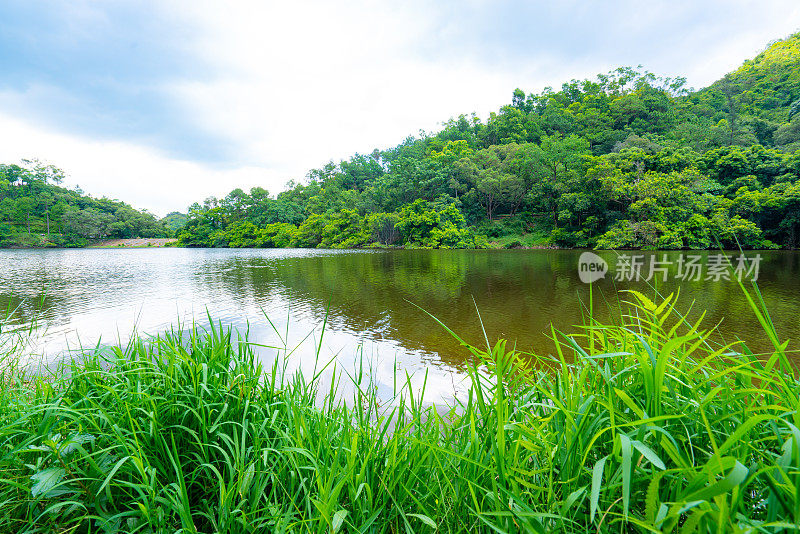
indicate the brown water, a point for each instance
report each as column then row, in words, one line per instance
column 370, row 298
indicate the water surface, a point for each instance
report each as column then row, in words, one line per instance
column 371, row 300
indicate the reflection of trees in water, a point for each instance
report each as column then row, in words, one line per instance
column 19, row 311
column 54, row 285
column 244, row 280
column 779, row 284
column 376, row 294
column 518, row 293
column 36, row 302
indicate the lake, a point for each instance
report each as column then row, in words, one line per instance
column 371, row 302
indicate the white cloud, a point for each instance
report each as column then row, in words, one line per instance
column 305, row 82
column 134, row 174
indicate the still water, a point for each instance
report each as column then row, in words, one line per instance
column 372, row 300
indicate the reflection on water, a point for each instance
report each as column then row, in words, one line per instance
column 371, row 299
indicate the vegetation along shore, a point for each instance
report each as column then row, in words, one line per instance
column 643, row 425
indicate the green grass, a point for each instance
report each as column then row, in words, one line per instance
column 644, row 425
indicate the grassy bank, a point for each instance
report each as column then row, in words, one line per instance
column 645, row 425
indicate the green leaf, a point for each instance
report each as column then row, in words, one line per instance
column 648, row 453
column 736, row 437
column 651, row 500
column 247, row 479
column 627, row 454
column 338, row 520
column 569, row 502
column 597, row 481
column 425, row 519
column 645, row 302
column 71, row 445
column 44, row 481
column 692, row 522
column 736, row 476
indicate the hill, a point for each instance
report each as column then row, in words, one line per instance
column 35, row 211
column 627, row 159
column 762, row 97
column 174, row 220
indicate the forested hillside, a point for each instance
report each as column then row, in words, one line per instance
column 174, row 220
column 35, row 211
column 625, row 160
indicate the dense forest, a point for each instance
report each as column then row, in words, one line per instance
column 625, row 160
column 35, row 211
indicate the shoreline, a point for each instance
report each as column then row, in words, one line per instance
column 160, row 242
column 147, row 242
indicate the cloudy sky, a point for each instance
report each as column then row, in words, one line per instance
column 167, row 102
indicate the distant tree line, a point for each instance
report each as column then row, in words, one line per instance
column 36, row 211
